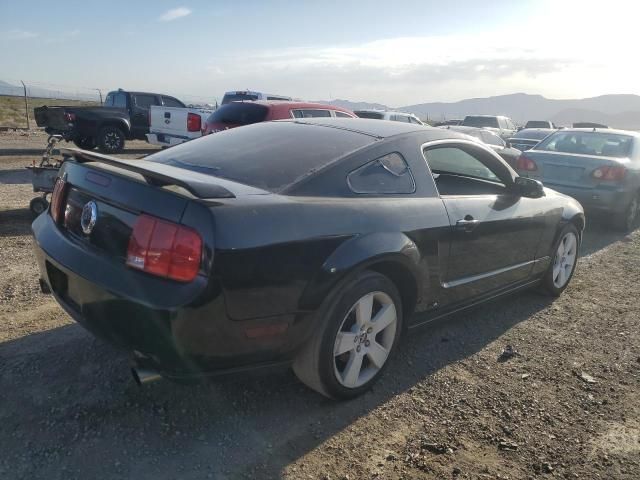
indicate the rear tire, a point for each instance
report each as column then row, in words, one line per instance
column 357, row 330
column 111, row 140
column 85, row 143
column 628, row 220
column 564, row 261
column 38, row 205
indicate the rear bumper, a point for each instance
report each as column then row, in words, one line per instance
column 165, row 140
column 596, row 200
column 179, row 330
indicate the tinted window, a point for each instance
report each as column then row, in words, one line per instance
column 387, row 174
column 238, row 96
column 108, row 102
column 239, row 114
column 271, row 155
column 472, row 121
column 311, row 113
column 342, row 115
column 588, row 143
column 145, row 101
column 454, row 161
column 374, row 115
column 492, row 139
column 274, row 97
column 172, row 102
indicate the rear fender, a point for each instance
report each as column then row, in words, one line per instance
column 122, row 124
column 360, row 253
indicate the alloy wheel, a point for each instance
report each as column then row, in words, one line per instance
column 565, row 260
column 364, row 339
column 112, row 140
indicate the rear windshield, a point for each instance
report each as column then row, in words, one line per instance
column 374, row 115
column 239, row 114
column 238, row 96
column 531, row 134
column 588, row 143
column 480, row 122
column 537, row 124
column 270, row 155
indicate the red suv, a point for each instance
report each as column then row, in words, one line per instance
column 236, row 114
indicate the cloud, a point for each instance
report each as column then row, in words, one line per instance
column 174, row 14
column 18, row 34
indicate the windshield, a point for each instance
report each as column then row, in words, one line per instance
column 239, row 114
column 588, row 143
column 480, row 122
column 271, row 155
column 238, row 96
column 374, row 115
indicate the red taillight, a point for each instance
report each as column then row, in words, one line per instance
column 194, row 122
column 525, row 163
column 57, row 200
column 70, row 117
column 614, row 173
column 164, row 249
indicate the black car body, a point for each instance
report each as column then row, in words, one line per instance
column 528, row 138
column 124, row 116
column 290, row 214
column 506, row 150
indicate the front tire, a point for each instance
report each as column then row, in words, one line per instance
column 564, row 261
column 357, row 330
column 111, row 140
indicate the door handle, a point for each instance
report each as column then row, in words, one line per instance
column 467, row 224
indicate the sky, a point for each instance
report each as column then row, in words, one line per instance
column 398, row 52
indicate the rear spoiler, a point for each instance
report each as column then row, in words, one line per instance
column 198, row 184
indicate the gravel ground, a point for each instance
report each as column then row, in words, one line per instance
column 566, row 405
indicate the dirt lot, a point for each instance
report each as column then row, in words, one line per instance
column 567, row 406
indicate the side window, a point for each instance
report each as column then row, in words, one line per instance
column 385, row 175
column 414, row 120
column 108, row 102
column 171, row 102
column 453, row 161
column 342, row 114
column 145, row 101
column 502, row 123
column 311, row 113
column 120, row 100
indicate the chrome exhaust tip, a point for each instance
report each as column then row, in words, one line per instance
column 142, row 376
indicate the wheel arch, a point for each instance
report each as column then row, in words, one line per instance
column 391, row 254
column 121, row 124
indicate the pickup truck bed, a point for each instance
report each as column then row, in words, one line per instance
column 172, row 125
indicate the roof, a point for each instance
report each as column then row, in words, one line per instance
column 378, row 110
column 293, row 104
column 368, row 126
column 602, row 130
column 488, row 116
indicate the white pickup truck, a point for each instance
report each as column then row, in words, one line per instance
column 169, row 126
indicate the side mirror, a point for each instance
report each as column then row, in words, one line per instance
column 528, row 187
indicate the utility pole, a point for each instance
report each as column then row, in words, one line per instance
column 26, row 103
column 100, row 95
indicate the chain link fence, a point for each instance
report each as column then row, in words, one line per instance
column 19, row 97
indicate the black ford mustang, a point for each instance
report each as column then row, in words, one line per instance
column 314, row 243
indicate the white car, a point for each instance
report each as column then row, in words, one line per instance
column 389, row 115
column 169, row 126
column 502, row 126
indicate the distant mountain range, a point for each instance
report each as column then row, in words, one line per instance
column 619, row 111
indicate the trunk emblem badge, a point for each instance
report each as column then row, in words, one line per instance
column 88, row 217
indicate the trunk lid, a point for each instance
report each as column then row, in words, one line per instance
column 569, row 169
column 110, row 194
